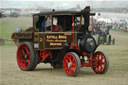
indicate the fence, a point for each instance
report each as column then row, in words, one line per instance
column 5, row 42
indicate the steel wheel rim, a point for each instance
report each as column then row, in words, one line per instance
column 100, row 62
column 70, row 64
column 23, row 57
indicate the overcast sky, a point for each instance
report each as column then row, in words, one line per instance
column 62, row 3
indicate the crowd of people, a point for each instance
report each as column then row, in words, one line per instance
column 115, row 26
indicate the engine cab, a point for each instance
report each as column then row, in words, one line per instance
column 59, row 29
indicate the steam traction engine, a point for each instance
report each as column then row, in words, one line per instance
column 61, row 38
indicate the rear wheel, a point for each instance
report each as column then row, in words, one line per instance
column 108, row 39
column 71, row 64
column 100, row 39
column 27, row 58
column 100, row 63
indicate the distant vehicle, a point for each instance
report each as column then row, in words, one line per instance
column 62, row 39
column 2, row 15
column 14, row 14
column 104, row 36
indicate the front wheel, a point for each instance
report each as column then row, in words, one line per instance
column 100, row 63
column 71, row 64
column 27, row 58
column 113, row 41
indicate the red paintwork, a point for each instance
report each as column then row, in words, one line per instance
column 44, row 54
column 71, row 47
column 86, row 54
column 83, row 64
column 56, row 29
column 70, row 59
column 87, row 64
column 76, row 47
column 73, row 29
column 16, row 43
column 100, row 62
column 23, row 51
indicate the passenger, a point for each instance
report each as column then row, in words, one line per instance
column 43, row 25
column 48, row 24
column 55, row 28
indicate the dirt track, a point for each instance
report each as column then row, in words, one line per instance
column 44, row 75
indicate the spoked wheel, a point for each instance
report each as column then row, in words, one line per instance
column 26, row 57
column 100, row 39
column 109, row 39
column 71, row 64
column 100, row 63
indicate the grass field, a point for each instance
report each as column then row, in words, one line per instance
column 9, row 25
column 10, row 74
